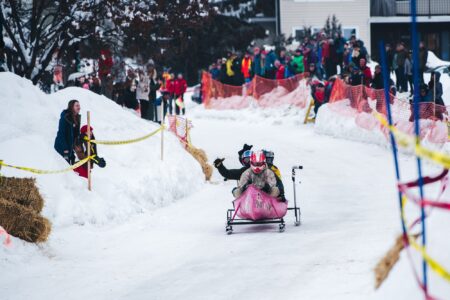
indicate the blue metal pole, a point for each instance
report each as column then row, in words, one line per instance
column 385, row 71
column 415, row 47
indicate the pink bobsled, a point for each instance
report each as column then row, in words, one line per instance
column 255, row 205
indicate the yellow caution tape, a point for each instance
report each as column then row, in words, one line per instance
column 126, row 141
column 437, row 157
column 37, row 171
column 407, row 141
column 434, row 265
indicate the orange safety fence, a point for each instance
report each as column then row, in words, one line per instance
column 360, row 101
column 262, row 91
column 222, row 96
column 180, row 127
column 357, row 102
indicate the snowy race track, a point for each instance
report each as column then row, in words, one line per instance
column 349, row 216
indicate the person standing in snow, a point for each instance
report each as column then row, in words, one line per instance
column 269, row 65
column 170, row 87
column 297, row 62
column 105, row 64
column 161, row 104
column 423, row 58
column 280, row 70
column 68, row 131
column 142, row 91
column 120, row 77
column 154, row 87
column 435, row 87
column 246, row 67
column 409, row 73
column 180, row 87
column 214, row 70
column 365, row 70
column 129, row 93
column 258, row 62
column 402, row 53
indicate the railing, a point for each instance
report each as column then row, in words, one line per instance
column 387, row 8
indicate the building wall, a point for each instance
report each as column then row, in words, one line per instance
column 351, row 13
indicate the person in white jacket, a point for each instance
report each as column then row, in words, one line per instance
column 142, row 92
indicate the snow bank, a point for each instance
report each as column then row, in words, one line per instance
column 342, row 125
column 134, row 179
column 285, row 115
column 433, row 61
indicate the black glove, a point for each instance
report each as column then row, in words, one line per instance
column 218, row 162
column 99, row 161
column 266, row 189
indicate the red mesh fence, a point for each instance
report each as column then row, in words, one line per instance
column 357, row 102
column 180, row 127
column 222, row 96
column 262, row 91
column 360, row 101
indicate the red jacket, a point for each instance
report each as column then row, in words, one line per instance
column 246, row 67
column 367, row 76
column 179, row 86
column 280, row 72
column 319, row 96
column 170, row 86
column 105, row 65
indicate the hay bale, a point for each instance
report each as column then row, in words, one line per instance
column 202, row 158
column 208, row 171
column 22, row 191
column 384, row 267
column 23, row 222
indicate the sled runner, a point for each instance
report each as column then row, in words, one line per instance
column 256, row 207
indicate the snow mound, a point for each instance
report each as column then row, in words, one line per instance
column 134, row 180
column 433, row 61
column 339, row 125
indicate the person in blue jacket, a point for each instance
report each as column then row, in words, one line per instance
column 68, row 131
column 269, row 65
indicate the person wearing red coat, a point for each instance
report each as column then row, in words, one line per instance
column 365, row 70
column 179, row 88
column 170, row 88
column 280, row 70
column 105, row 64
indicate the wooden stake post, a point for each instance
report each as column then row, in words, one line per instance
column 187, row 132
column 89, row 149
column 308, row 111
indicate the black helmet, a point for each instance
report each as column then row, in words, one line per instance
column 270, row 156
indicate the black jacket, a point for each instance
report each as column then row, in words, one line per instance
column 154, row 86
column 231, row 174
column 439, row 90
column 378, row 82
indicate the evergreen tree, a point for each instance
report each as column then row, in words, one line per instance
column 332, row 26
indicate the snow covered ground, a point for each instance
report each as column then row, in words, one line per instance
column 180, row 251
column 131, row 183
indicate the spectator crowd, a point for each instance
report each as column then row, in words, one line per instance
column 138, row 87
column 322, row 59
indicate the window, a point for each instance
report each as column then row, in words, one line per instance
column 347, row 32
column 299, row 32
